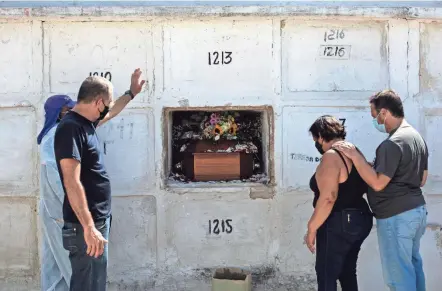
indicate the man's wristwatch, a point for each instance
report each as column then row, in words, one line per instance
column 129, row 92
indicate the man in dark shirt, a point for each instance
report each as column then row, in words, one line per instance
column 87, row 203
column 399, row 171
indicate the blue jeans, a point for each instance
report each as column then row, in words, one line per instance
column 88, row 273
column 399, row 241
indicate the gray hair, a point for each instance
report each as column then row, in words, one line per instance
column 93, row 87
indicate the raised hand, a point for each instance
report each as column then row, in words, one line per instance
column 136, row 85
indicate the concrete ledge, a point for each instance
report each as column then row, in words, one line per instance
column 264, row 278
column 20, row 284
column 124, row 10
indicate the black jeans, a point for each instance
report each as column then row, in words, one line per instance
column 338, row 242
column 88, row 273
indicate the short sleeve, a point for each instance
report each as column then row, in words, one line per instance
column 388, row 157
column 68, row 142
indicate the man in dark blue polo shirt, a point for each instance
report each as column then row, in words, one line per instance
column 87, row 203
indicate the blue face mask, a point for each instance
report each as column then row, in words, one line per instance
column 380, row 127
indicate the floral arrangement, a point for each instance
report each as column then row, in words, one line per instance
column 219, row 125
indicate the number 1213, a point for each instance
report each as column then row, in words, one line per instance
column 225, row 57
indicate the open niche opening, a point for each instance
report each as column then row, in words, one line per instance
column 218, row 146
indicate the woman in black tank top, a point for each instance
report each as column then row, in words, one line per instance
column 342, row 219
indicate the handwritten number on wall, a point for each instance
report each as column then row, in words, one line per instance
column 216, row 57
column 217, row 226
column 106, row 75
column 334, row 34
column 342, row 120
column 334, row 51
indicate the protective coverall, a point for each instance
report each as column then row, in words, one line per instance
column 56, row 268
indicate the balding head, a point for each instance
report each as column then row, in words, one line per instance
column 94, row 88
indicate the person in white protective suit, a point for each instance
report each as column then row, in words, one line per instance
column 55, row 265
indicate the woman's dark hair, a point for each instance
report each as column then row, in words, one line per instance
column 328, row 127
column 388, row 99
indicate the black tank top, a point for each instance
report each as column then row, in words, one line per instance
column 350, row 192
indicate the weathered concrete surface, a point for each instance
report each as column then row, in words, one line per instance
column 18, row 239
column 319, row 74
column 127, row 143
column 171, row 237
column 69, row 47
column 183, row 75
column 21, row 47
column 20, row 284
column 10, row 46
column 132, row 256
column 130, row 9
column 192, row 230
column 18, row 151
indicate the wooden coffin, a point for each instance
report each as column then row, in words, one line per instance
column 219, row 166
column 202, row 162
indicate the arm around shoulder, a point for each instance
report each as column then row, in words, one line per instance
column 388, row 156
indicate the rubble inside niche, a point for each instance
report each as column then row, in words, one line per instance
column 179, row 177
column 247, row 147
column 256, row 178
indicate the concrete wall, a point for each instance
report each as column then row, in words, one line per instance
column 160, row 238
